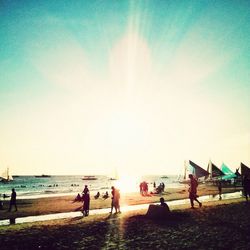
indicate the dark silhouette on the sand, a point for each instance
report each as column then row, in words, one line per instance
column 163, row 203
column 78, row 198
column 158, row 211
column 112, row 198
column 246, row 186
column 86, row 200
column 219, row 189
column 117, row 201
column 97, row 195
column 13, row 200
column 106, row 195
column 193, row 191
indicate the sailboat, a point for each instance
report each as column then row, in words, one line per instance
column 6, row 176
column 228, row 173
column 245, row 170
column 195, row 170
column 214, row 172
column 115, row 176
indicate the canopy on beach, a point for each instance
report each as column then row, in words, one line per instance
column 196, row 170
column 228, row 173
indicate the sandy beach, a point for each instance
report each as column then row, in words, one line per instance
column 217, row 225
column 50, row 205
column 221, row 224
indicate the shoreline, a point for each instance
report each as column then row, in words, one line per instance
column 64, row 204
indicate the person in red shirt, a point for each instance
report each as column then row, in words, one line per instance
column 193, row 191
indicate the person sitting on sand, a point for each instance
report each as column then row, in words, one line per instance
column 193, row 191
column 161, row 211
column 106, row 195
column 13, row 200
column 97, row 195
column 163, row 203
column 78, row 198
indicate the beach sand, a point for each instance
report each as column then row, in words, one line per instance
column 50, row 205
column 217, row 225
column 222, row 224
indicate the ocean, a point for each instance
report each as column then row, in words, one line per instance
column 59, row 185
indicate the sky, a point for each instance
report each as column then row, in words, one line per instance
column 93, row 87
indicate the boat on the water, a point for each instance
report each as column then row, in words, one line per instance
column 42, row 176
column 89, row 177
column 6, row 176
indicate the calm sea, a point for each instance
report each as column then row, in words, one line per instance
column 33, row 187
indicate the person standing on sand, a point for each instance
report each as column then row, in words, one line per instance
column 117, row 201
column 13, row 200
column 193, row 191
column 112, row 199
column 86, row 200
column 219, row 189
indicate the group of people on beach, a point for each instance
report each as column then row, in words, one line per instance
column 85, row 198
column 115, row 195
column 12, row 200
column 144, row 188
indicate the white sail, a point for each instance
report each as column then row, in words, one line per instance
column 6, row 176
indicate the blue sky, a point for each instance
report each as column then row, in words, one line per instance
column 89, row 86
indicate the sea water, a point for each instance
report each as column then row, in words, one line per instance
column 58, row 185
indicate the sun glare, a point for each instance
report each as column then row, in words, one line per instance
column 127, row 183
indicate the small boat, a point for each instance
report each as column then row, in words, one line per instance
column 89, row 177
column 164, row 177
column 42, row 176
column 6, row 176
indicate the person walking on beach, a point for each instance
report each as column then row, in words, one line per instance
column 193, row 191
column 86, row 200
column 13, row 200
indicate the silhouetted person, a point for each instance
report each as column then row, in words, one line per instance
column 154, row 184
column 106, row 195
column 193, row 191
column 219, row 189
column 163, row 203
column 141, row 188
column 97, row 195
column 117, row 201
column 86, row 200
column 1, row 205
column 246, row 186
column 112, row 198
column 13, row 200
column 78, row 197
